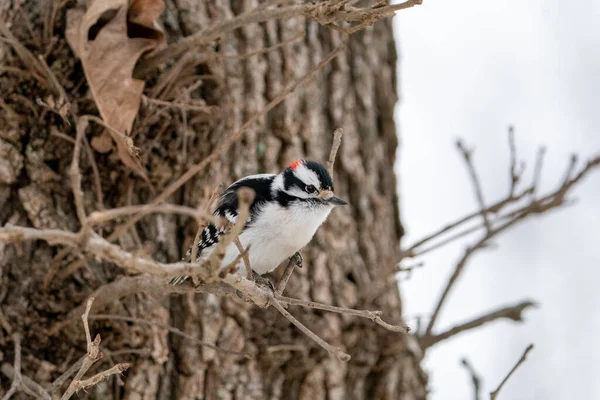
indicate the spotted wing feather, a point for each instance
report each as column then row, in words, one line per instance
column 228, row 208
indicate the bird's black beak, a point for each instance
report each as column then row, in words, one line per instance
column 336, row 201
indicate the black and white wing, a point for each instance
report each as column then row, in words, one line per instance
column 228, row 208
column 228, row 203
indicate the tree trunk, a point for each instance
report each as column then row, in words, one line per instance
column 349, row 263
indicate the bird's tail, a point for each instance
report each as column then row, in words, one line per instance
column 178, row 280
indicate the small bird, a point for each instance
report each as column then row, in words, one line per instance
column 287, row 210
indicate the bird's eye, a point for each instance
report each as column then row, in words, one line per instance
column 310, row 189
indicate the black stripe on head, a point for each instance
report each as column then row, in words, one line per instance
column 290, row 179
column 321, row 171
column 285, row 199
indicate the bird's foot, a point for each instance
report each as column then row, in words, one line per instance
column 263, row 281
column 299, row 259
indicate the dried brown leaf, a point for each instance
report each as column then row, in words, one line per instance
column 103, row 143
column 145, row 13
column 109, row 46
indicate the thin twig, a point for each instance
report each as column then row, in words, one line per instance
column 207, row 35
column 323, row 13
column 98, row 217
column 215, row 193
column 245, row 198
column 514, row 313
column 476, row 184
column 90, row 155
column 28, row 385
column 75, row 174
column 287, row 273
column 100, row 247
column 116, row 369
column 28, row 59
column 15, row 386
column 170, row 329
column 495, row 393
column 474, row 378
column 63, row 98
column 131, row 285
column 182, row 106
column 93, row 351
column 374, row 316
column 238, row 57
column 4, row 323
column 570, row 169
column 553, row 200
column 537, row 172
column 58, row 382
column 514, row 176
column 411, row 251
column 244, row 254
column 86, row 326
column 337, row 141
column 95, row 172
column 336, row 351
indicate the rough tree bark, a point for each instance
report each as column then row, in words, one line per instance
column 349, row 263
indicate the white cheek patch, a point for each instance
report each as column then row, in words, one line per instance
column 307, row 176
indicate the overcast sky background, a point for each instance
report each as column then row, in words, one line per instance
column 470, row 68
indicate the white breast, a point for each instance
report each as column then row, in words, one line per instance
column 277, row 234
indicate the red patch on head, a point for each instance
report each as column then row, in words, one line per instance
column 294, row 165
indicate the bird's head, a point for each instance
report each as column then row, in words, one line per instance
column 310, row 181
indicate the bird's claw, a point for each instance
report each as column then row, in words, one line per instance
column 263, row 281
column 299, row 259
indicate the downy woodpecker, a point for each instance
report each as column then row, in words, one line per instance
column 287, row 210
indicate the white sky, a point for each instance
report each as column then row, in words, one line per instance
column 470, row 68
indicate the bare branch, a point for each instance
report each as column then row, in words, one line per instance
column 28, row 385
column 325, row 13
column 66, row 375
column 144, row 283
column 337, row 141
column 207, row 35
column 551, row 200
column 455, row 274
column 237, row 57
column 181, row 106
column 495, row 393
column 117, row 369
column 335, row 351
column 570, row 169
column 244, row 256
column 537, row 172
column 170, row 329
column 4, row 323
column 103, row 249
column 214, row 195
column 514, row 176
column 474, row 378
column 76, row 174
column 93, row 352
column 98, row 217
column 15, row 386
column 502, row 221
column 245, row 198
column 86, row 326
column 514, row 313
column 476, row 184
column 287, row 273
column 374, row 316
